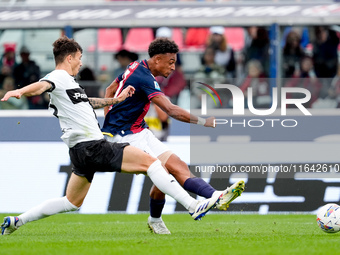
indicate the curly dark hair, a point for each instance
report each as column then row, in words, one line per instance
column 162, row 45
column 63, row 47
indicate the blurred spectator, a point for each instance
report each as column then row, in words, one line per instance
column 124, row 58
column 12, row 103
column 27, row 72
column 224, row 54
column 325, row 53
column 7, row 62
column 8, row 58
column 292, row 54
column 87, row 79
column 175, row 82
column 259, row 49
column 306, row 78
column 258, row 81
column 301, row 31
column 210, row 72
column 250, row 35
column 5, row 71
column 86, row 74
column 334, row 91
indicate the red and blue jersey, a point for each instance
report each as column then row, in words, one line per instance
column 127, row 117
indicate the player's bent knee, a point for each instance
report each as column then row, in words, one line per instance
column 178, row 168
column 148, row 160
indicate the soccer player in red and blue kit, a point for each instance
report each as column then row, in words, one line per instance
column 124, row 122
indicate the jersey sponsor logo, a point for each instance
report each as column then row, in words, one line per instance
column 77, row 95
column 156, row 85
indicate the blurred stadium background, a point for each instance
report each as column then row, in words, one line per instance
column 30, row 146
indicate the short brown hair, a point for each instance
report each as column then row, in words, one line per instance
column 63, row 47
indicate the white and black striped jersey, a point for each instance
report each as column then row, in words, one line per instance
column 71, row 106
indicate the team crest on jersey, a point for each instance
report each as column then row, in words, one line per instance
column 77, row 95
column 156, row 85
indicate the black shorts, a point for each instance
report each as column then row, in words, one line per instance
column 96, row 156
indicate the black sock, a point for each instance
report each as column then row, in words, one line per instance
column 156, row 207
column 199, row 187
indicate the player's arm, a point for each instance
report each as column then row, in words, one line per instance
column 109, row 93
column 161, row 114
column 179, row 113
column 33, row 89
column 104, row 102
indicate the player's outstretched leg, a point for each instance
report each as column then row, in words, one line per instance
column 230, row 194
column 134, row 159
column 168, row 185
column 9, row 225
column 75, row 194
column 181, row 172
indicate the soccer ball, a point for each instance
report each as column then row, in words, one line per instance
column 328, row 218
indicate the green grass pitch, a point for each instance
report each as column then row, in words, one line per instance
column 219, row 233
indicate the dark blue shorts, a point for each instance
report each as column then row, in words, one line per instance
column 96, row 156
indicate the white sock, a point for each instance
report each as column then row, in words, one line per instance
column 168, row 185
column 48, row 208
column 153, row 219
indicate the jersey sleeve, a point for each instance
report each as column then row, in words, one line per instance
column 49, row 78
column 151, row 88
column 57, row 81
column 119, row 78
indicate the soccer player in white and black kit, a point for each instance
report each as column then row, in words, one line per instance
column 89, row 152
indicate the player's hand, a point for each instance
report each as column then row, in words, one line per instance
column 210, row 122
column 12, row 93
column 127, row 92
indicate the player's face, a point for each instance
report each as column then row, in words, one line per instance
column 166, row 64
column 76, row 63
